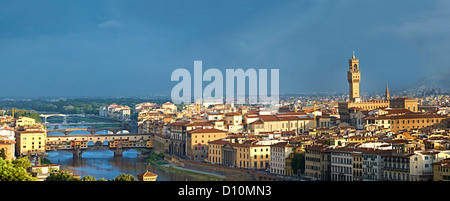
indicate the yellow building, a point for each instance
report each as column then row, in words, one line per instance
column 247, row 155
column 414, row 121
column 357, row 160
column 8, row 147
column 243, row 159
column 252, row 156
column 441, row 170
column 31, row 142
column 197, row 141
column 279, row 123
column 361, row 139
column 25, row 122
column 406, row 103
column 215, row 151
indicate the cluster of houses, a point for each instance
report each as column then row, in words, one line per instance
column 371, row 144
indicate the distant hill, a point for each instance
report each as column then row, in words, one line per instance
column 440, row 80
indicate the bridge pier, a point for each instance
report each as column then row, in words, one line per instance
column 118, row 152
column 77, row 153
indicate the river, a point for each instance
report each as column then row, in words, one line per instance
column 102, row 163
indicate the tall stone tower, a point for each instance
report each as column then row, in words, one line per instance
column 354, row 77
column 387, row 97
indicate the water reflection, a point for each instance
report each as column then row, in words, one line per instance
column 102, row 164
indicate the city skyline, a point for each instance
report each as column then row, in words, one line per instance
column 118, row 48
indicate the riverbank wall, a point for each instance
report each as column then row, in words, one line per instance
column 231, row 173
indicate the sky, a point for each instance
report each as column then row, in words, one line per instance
column 130, row 48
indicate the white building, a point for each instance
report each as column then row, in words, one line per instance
column 170, row 107
column 342, row 164
column 373, row 164
column 114, row 111
column 233, row 122
column 278, row 154
column 8, row 133
column 421, row 166
column 213, row 116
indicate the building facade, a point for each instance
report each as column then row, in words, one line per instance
column 161, row 143
column 416, row 121
column 8, row 147
column 318, row 163
column 397, row 164
column 441, row 170
column 30, row 142
column 342, row 164
column 197, row 142
column 114, row 111
column 373, row 164
column 421, row 166
column 279, row 152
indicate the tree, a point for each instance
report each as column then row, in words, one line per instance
column 10, row 171
column 2, row 153
column 88, row 178
column 125, row 177
column 298, row 162
column 61, row 175
column 22, row 162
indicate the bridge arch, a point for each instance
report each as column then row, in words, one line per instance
column 124, row 131
column 79, row 132
column 55, row 133
column 98, row 143
column 45, row 116
column 102, row 132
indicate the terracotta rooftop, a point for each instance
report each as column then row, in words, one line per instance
column 207, row 130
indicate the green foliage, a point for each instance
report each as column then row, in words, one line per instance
column 22, row 162
column 298, row 162
column 125, row 177
column 14, row 170
column 153, row 157
column 2, row 153
column 74, row 106
column 25, row 113
column 45, row 161
column 61, row 175
column 90, row 178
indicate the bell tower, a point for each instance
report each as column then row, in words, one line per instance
column 387, row 97
column 354, row 77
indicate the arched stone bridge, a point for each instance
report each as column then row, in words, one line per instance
column 77, row 144
column 45, row 116
column 67, row 131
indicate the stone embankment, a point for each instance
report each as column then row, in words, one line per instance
column 231, row 173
